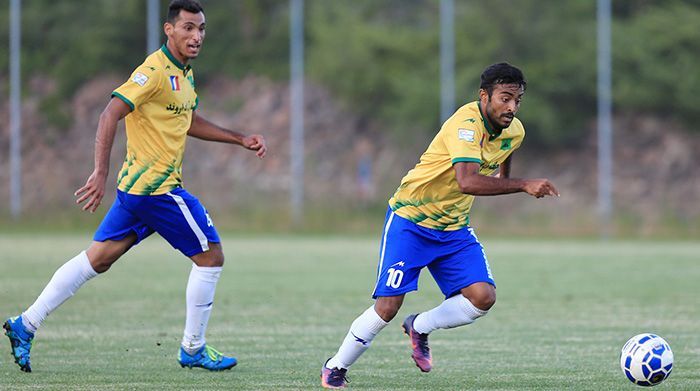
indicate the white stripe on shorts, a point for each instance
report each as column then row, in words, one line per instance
column 190, row 220
column 486, row 260
column 381, row 254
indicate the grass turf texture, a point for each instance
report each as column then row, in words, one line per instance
column 283, row 305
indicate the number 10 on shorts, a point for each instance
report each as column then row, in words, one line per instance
column 395, row 277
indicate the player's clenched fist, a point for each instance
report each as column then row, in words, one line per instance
column 255, row 142
column 540, row 188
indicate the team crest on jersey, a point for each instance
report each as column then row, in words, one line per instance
column 505, row 144
column 139, row 78
column 175, row 83
column 466, row 135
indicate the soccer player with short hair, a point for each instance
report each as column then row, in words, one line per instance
column 427, row 223
column 159, row 105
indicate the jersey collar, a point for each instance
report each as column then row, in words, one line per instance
column 493, row 133
column 184, row 68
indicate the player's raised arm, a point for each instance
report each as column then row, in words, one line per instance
column 471, row 182
column 206, row 130
column 94, row 188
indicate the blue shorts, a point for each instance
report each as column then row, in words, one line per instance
column 456, row 259
column 177, row 216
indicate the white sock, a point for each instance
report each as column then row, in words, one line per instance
column 200, row 298
column 453, row 312
column 64, row 283
column 362, row 332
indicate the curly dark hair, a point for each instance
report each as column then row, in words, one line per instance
column 501, row 73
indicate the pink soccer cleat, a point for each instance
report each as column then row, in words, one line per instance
column 421, row 350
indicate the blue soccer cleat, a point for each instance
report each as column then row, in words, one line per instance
column 21, row 341
column 207, row 358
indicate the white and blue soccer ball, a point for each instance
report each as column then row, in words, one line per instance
column 646, row 359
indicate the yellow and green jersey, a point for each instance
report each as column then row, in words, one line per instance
column 429, row 194
column 161, row 95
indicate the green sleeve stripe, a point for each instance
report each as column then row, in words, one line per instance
column 465, row 160
column 125, row 99
column 196, row 103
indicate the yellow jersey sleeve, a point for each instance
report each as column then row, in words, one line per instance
column 143, row 84
column 462, row 141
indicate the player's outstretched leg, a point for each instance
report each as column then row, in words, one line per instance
column 357, row 341
column 206, row 357
column 64, row 283
column 21, row 341
column 421, row 351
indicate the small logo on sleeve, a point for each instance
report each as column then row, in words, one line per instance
column 466, row 135
column 139, row 78
column 174, row 83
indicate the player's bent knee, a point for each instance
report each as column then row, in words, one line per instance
column 385, row 312
column 483, row 300
column 218, row 258
column 214, row 257
column 101, row 262
column 209, row 261
column 103, row 254
column 388, row 307
column 481, row 295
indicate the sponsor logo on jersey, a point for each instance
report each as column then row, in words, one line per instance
column 466, row 135
column 178, row 109
column 175, row 83
column 490, row 166
column 139, row 78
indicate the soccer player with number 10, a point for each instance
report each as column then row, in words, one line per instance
column 427, row 223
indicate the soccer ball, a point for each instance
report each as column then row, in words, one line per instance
column 646, row 359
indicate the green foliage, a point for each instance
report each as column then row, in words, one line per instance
column 656, row 69
column 397, row 60
column 245, row 37
column 381, row 66
column 381, row 58
column 555, row 48
column 73, row 42
column 5, row 39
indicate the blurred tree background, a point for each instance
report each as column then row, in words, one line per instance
column 378, row 60
column 382, row 57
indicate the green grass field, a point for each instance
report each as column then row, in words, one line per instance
column 284, row 304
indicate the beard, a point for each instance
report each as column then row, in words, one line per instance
column 499, row 122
